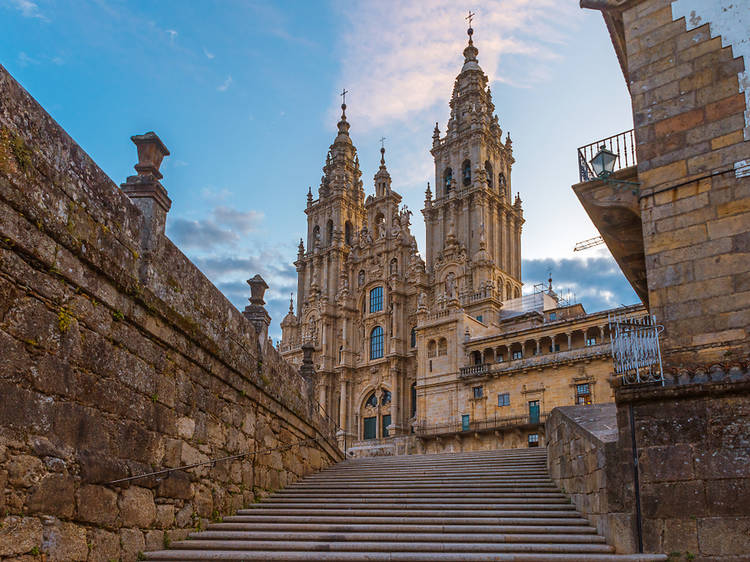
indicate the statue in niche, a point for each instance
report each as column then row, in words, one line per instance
column 361, row 278
column 422, row 300
column 394, row 266
column 450, row 285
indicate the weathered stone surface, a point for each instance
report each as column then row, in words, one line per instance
column 105, row 545
column 19, row 535
column 25, row 470
column 97, row 504
column 132, row 543
column 724, row 536
column 53, row 496
column 64, row 542
column 137, row 508
column 176, row 485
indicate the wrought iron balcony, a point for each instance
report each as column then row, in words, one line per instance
column 479, row 426
column 622, row 144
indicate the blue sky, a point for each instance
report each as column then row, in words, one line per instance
column 245, row 96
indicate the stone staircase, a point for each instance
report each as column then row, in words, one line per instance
column 489, row 505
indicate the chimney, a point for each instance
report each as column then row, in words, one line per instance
column 144, row 190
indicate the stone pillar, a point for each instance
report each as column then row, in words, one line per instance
column 395, row 427
column 343, row 409
column 255, row 311
column 570, row 341
column 145, row 191
column 307, row 370
column 538, row 347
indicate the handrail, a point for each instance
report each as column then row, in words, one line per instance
column 213, row 462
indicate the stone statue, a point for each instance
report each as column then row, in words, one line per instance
column 450, row 285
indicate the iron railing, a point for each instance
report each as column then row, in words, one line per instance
column 622, row 144
column 635, row 348
column 488, row 424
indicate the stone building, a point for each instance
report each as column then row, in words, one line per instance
column 394, row 335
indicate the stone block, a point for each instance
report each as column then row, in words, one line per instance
column 53, row 496
column 728, row 497
column 177, row 485
column 668, row 463
column 25, row 471
column 664, row 499
column 97, row 505
column 19, row 535
column 132, row 543
column 65, row 542
column 680, row 535
column 105, row 545
column 184, row 515
column 724, row 536
column 154, row 540
column 137, row 508
column 165, row 516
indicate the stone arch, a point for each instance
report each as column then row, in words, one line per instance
column 442, row 347
column 348, row 233
column 466, row 172
column 448, row 180
column 432, row 348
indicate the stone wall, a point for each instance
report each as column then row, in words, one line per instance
column 688, row 81
column 693, row 450
column 584, row 461
column 693, row 445
column 118, row 357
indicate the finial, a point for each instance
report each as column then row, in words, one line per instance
column 344, row 91
column 470, row 31
column 291, row 303
column 382, row 156
column 309, row 194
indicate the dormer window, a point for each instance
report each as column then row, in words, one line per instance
column 467, row 173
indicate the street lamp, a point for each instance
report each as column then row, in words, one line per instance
column 603, row 162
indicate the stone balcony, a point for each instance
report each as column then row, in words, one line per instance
column 536, row 361
column 481, row 426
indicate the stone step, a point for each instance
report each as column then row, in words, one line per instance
column 465, row 504
column 395, row 537
column 526, row 486
column 369, row 520
column 423, row 497
column 276, row 556
column 230, row 524
column 561, row 511
column 361, row 546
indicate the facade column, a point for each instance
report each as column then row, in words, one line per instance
column 570, row 341
column 538, row 347
column 344, row 406
column 395, row 426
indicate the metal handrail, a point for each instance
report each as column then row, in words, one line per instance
column 622, row 144
column 213, row 462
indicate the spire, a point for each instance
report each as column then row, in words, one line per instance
column 291, row 303
column 309, row 195
column 382, row 177
column 470, row 52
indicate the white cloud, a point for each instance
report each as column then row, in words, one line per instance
column 28, row 9
column 222, row 229
column 402, row 58
column 172, row 35
column 225, row 86
column 208, row 55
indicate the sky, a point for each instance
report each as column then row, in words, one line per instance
column 245, row 94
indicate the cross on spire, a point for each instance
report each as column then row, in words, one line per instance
column 470, row 17
column 382, row 142
column 343, row 93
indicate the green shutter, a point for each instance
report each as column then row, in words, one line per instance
column 370, row 428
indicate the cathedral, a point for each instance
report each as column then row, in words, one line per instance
column 391, row 329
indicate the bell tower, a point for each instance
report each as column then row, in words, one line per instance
column 473, row 226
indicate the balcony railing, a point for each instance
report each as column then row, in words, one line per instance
column 536, row 361
column 623, row 145
column 478, row 426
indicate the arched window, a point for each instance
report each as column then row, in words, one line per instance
column 508, row 291
column 316, row 235
column 372, row 401
column 376, row 299
column 341, row 353
column 466, row 172
column 431, row 349
column 443, row 347
column 376, row 343
column 448, row 180
column 385, row 397
column 518, row 293
column 476, row 357
column 414, row 337
column 488, row 169
column 348, row 233
column 329, row 233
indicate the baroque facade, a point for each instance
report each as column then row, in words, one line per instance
column 384, row 322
